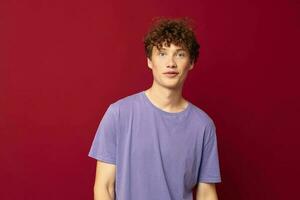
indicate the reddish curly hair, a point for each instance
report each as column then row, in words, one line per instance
column 179, row 32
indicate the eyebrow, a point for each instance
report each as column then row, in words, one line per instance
column 181, row 49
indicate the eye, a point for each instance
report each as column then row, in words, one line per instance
column 161, row 53
column 181, row 54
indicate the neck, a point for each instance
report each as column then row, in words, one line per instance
column 169, row 100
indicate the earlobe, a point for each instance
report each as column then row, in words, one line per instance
column 191, row 66
column 149, row 63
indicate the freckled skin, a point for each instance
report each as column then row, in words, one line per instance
column 173, row 58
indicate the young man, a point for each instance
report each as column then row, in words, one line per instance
column 154, row 144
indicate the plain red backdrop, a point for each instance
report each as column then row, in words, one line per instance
column 63, row 62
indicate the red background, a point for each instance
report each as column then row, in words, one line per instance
column 63, row 62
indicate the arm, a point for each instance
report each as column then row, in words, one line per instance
column 104, row 187
column 206, row 191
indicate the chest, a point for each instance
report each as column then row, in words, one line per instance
column 172, row 141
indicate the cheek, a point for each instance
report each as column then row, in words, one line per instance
column 186, row 66
column 157, row 64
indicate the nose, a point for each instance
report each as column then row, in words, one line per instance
column 171, row 62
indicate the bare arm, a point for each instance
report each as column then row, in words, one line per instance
column 104, row 187
column 206, row 191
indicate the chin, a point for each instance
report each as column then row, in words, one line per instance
column 173, row 86
column 168, row 85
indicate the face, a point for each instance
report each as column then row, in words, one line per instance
column 170, row 66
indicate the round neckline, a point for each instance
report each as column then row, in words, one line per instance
column 143, row 93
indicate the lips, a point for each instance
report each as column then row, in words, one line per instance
column 171, row 72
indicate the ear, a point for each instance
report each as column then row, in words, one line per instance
column 191, row 66
column 149, row 62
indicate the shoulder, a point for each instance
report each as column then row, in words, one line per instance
column 124, row 103
column 207, row 124
column 200, row 115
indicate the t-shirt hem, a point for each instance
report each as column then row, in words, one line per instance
column 103, row 158
column 210, row 180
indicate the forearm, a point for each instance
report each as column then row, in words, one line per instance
column 206, row 192
column 211, row 196
column 104, row 193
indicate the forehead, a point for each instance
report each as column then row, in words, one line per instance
column 172, row 46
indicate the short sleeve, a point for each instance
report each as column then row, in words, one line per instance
column 209, row 171
column 104, row 144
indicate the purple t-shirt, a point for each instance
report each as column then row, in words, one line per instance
column 158, row 155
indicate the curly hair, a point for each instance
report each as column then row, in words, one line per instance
column 179, row 32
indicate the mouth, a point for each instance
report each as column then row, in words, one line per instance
column 171, row 74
